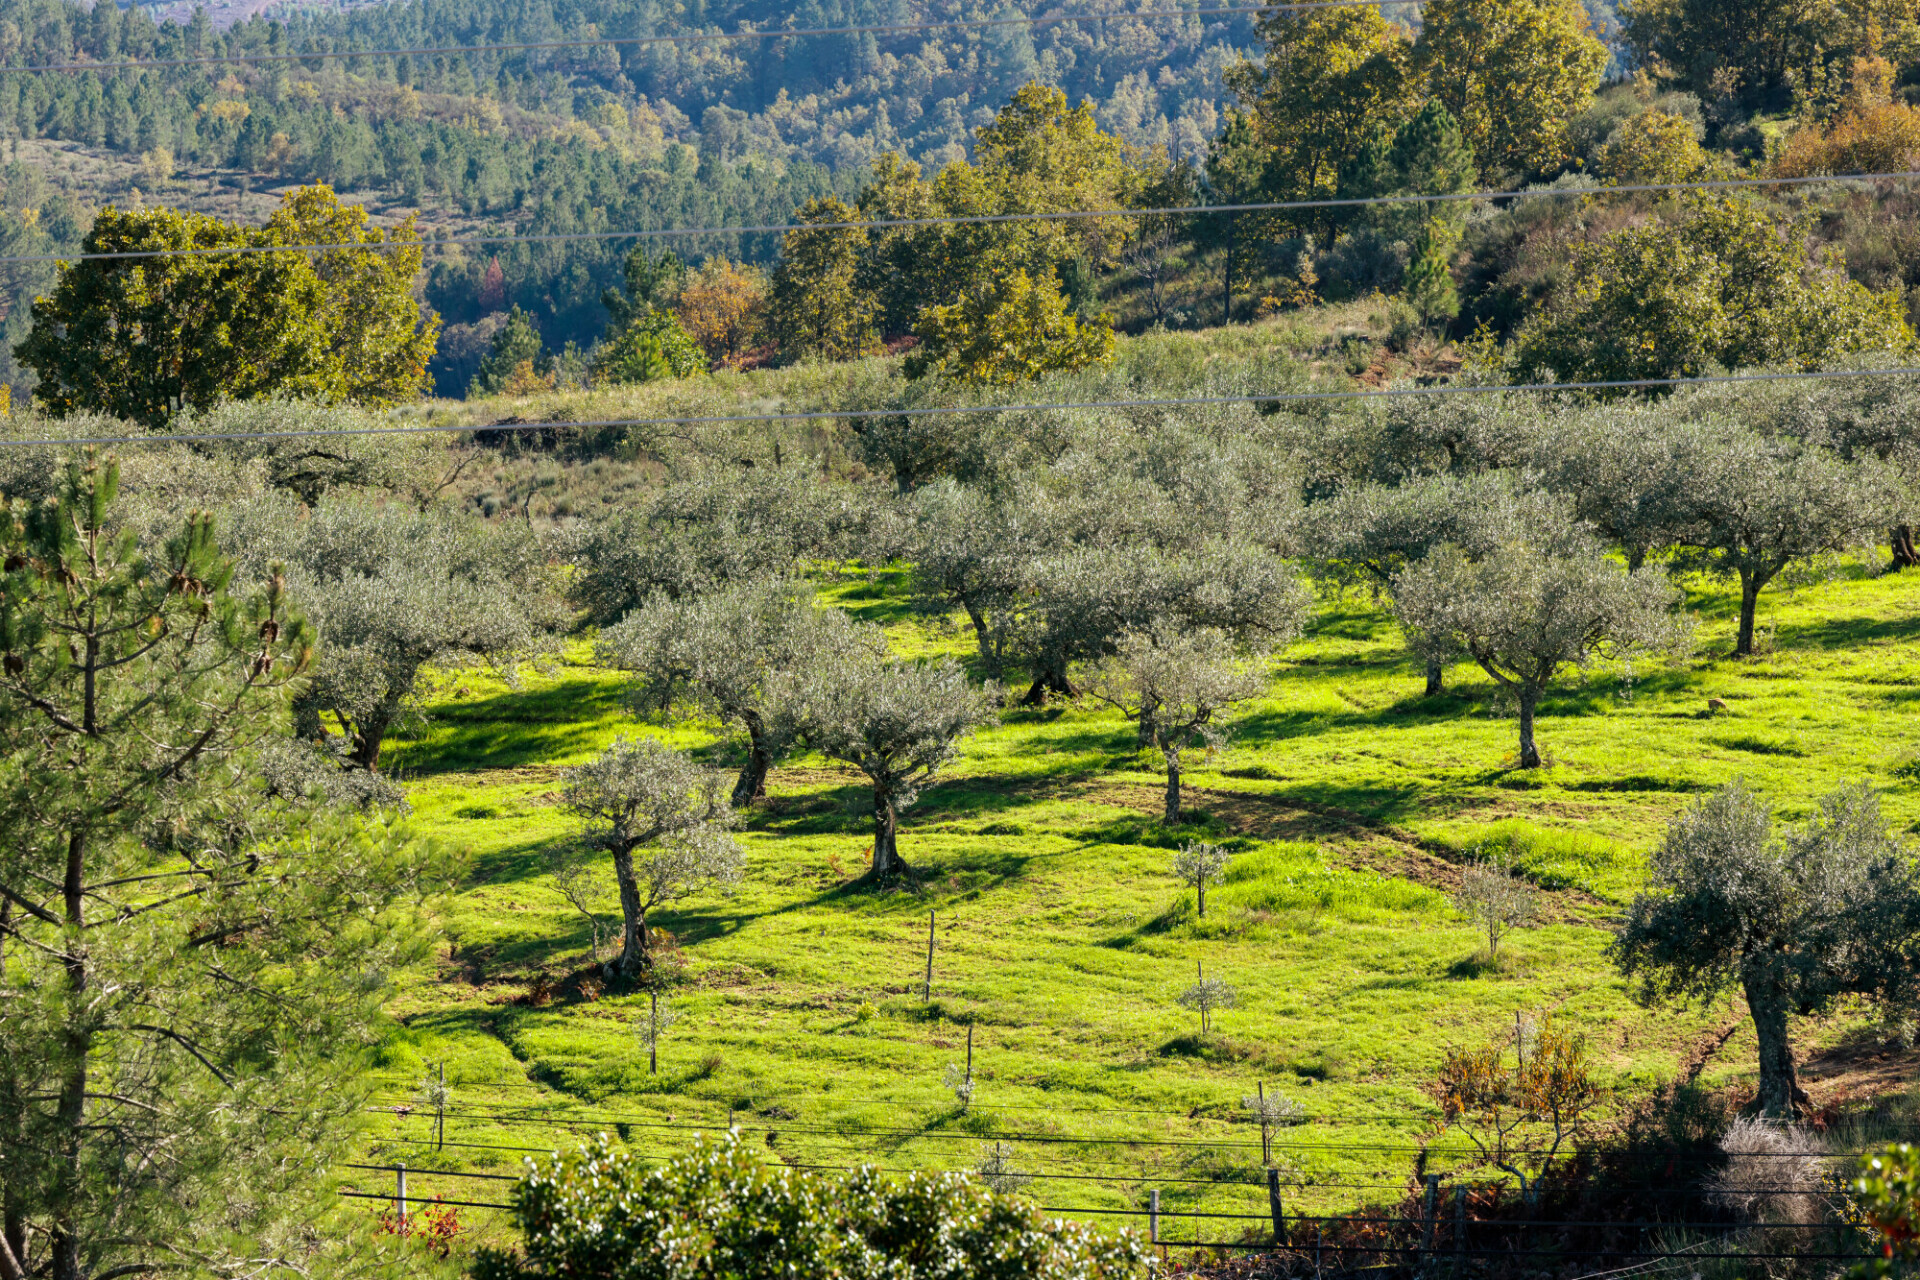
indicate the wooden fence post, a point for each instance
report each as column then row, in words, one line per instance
column 926, row 988
column 1274, row 1206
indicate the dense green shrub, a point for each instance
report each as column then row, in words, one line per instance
column 718, row 1212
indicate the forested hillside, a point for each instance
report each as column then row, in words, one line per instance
column 555, row 141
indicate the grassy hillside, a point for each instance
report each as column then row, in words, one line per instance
column 1063, row 940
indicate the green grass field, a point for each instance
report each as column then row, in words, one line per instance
column 1063, row 940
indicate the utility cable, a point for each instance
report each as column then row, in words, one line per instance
column 984, row 219
column 692, row 37
column 1292, row 397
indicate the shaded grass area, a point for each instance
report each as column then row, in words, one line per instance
column 1063, row 941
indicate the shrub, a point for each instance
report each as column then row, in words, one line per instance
column 718, row 1212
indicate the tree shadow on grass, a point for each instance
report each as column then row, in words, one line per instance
column 511, row 730
column 1847, row 633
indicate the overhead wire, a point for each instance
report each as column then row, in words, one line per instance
column 983, row 219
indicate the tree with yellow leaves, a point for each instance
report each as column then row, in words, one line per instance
column 1512, row 73
column 721, row 305
column 1011, row 328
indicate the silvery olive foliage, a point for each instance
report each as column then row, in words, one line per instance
column 1794, row 919
column 1366, row 534
column 1080, row 603
column 996, row 1170
column 1745, row 507
column 1198, row 865
column 668, row 825
column 712, row 527
column 721, row 653
column 1497, row 899
column 971, row 550
column 1206, row 996
column 602, row 1212
column 1530, row 609
column 1178, row 682
column 896, row 721
column 394, row 594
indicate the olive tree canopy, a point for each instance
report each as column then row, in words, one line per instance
column 394, row 592
column 898, row 722
column 640, row 795
column 1176, row 682
column 1795, row 919
column 1530, row 609
column 719, row 654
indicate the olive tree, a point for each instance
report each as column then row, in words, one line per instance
column 1794, row 919
column 1529, row 610
column 713, row 527
column 396, row 593
column 717, row 653
column 970, row 549
column 1200, row 864
column 1080, row 602
column 1366, row 534
column 898, row 722
column 188, row 965
column 639, row 795
column 1177, row 682
column 1746, row 507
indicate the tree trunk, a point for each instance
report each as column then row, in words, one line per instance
column 79, row 1047
column 1226, row 291
column 1047, row 681
column 1750, row 585
column 1173, row 786
column 1200, row 888
column 634, row 939
column 752, row 783
column 1529, row 754
column 372, row 735
column 1901, row 543
column 983, row 636
column 1780, row 1092
column 887, row 862
column 1436, row 679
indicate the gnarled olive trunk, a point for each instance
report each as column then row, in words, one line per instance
column 1750, row 584
column 752, row 783
column 1173, row 786
column 1529, row 753
column 990, row 662
column 635, row 936
column 1047, row 680
column 887, row 862
column 1436, row 679
column 1780, row 1093
column 1901, row 544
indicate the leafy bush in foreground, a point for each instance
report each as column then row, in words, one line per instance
column 718, row 1212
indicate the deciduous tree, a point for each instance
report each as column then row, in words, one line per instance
column 819, row 306
column 1723, row 286
column 1007, row 330
column 722, row 305
column 1512, row 72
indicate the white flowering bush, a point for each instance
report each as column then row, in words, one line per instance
column 717, row 1211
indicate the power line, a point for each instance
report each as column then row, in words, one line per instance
column 701, row 36
column 1290, row 397
column 985, row 219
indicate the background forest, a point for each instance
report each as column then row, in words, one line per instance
column 555, row 141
